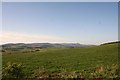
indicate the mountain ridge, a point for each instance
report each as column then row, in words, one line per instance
column 44, row 45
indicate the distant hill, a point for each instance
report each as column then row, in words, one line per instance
column 111, row 43
column 45, row 45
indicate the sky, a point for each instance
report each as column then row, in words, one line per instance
column 59, row 0
column 59, row 22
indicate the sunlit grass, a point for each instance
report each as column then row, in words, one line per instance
column 69, row 59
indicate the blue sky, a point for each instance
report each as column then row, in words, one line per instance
column 59, row 0
column 81, row 22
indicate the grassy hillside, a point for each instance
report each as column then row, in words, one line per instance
column 64, row 59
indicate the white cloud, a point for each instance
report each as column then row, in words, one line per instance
column 13, row 37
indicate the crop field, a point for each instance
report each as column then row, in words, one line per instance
column 61, row 59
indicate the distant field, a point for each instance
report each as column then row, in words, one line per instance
column 59, row 59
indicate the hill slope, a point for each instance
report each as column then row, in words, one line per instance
column 55, row 59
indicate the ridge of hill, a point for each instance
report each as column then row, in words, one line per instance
column 115, row 42
column 44, row 45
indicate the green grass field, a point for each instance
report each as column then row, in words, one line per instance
column 61, row 59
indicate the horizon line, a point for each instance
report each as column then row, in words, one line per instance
column 55, row 43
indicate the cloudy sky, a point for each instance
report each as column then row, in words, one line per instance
column 59, row 22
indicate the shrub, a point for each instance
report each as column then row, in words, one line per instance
column 12, row 70
column 101, row 72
